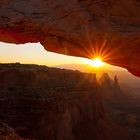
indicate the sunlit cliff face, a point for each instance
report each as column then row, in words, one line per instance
column 78, row 28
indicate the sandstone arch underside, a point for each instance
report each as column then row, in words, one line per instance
column 86, row 28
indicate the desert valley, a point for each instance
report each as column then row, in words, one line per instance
column 69, row 69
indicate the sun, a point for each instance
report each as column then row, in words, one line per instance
column 97, row 62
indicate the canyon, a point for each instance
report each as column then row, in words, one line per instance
column 39, row 103
column 122, row 105
column 42, row 103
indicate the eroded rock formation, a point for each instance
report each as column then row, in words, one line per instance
column 54, row 104
column 116, row 82
column 121, row 105
column 86, row 28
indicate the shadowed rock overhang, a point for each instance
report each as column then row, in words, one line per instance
column 86, row 28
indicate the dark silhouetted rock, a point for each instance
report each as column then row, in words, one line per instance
column 112, row 95
column 8, row 133
column 122, row 106
column 47, row 103
column 116, row 83
column 105, row 80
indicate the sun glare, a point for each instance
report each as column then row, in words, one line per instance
column 97, row 62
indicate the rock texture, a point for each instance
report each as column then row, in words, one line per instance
column 46, row 103
column 7, row 133
column 87, row 28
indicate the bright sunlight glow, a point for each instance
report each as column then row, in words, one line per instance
column 97, row 62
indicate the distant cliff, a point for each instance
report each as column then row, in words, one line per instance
column 44, row 103
column 112, row 94
column 122, row 106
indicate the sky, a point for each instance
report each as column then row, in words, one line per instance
column 34, row 53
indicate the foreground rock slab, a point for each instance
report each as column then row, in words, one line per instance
column 87, row 28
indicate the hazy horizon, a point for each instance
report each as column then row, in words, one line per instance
column 34, row 53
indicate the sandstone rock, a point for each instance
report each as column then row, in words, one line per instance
column 87, row 28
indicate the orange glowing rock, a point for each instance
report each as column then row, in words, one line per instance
column 77, row 27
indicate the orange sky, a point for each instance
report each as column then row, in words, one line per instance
column 34, row 53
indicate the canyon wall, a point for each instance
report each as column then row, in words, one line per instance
column 47, row 103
